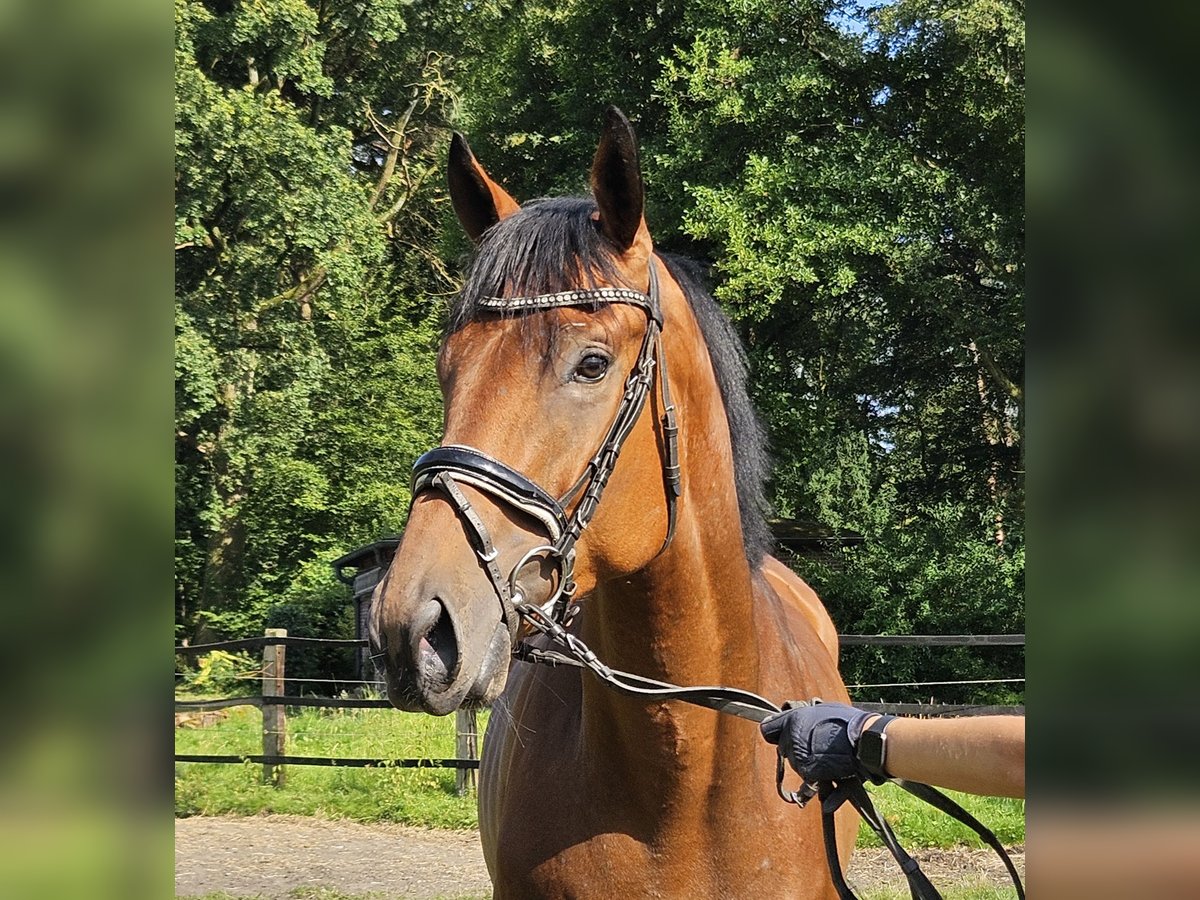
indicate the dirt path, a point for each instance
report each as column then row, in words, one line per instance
column 269, row 856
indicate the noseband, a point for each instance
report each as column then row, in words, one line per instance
column 444, row 469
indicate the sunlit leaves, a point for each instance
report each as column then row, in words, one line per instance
column 305, row 327
column 858, row 191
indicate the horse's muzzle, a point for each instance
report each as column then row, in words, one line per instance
column 423, row 662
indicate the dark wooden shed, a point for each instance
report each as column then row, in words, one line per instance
column 362, row 569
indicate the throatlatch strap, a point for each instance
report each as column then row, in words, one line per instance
column 670, row 430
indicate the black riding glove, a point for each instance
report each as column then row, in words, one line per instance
column 819, row 740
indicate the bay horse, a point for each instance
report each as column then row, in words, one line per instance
column 584, row 792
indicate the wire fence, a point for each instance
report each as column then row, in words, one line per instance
column 888, row 684
column 274, row 700
column 846, row 640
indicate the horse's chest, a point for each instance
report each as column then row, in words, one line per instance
column 565, row 817
column 614, row 865
column 562, row 826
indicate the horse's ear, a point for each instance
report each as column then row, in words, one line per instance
column 478, row 201
column 617, row 183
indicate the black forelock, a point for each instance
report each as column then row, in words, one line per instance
column 549, row 246
column 557, row 245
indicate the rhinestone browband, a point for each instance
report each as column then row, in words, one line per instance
column 568, row 298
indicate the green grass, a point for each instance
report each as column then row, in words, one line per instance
column 426, row 796
column 918, row 824
column 410, row 796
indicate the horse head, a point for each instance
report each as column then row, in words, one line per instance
column 557, row 323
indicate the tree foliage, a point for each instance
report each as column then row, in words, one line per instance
column 853, row 174
column 865, row 196
column 307, row 138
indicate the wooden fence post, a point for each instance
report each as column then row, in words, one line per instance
column 274, row 727
column 466, row 746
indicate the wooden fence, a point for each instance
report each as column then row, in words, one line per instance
column 274, row 700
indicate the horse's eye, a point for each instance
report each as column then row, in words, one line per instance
column 591, row 368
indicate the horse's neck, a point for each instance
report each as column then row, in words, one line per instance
column 687, row 619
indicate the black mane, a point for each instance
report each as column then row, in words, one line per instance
column 556, row 245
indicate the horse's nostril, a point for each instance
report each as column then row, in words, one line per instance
column 438, row 650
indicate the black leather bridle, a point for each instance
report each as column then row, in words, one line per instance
column 445, row 468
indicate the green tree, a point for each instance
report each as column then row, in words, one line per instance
column 865, row 191
column 307, row 141
column 856, row 177
column 536, row 77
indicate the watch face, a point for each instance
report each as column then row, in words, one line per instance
column 871, row 751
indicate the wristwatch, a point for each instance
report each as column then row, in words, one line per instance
column 872, row 748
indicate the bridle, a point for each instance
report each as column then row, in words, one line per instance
column 444, row 468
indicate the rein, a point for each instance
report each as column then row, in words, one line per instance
column 746, row 705
column 444, row 468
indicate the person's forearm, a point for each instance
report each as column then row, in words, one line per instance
column 978, row 754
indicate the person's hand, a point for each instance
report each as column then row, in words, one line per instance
column 819, row 740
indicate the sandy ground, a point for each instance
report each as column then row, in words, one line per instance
column 269, row 856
